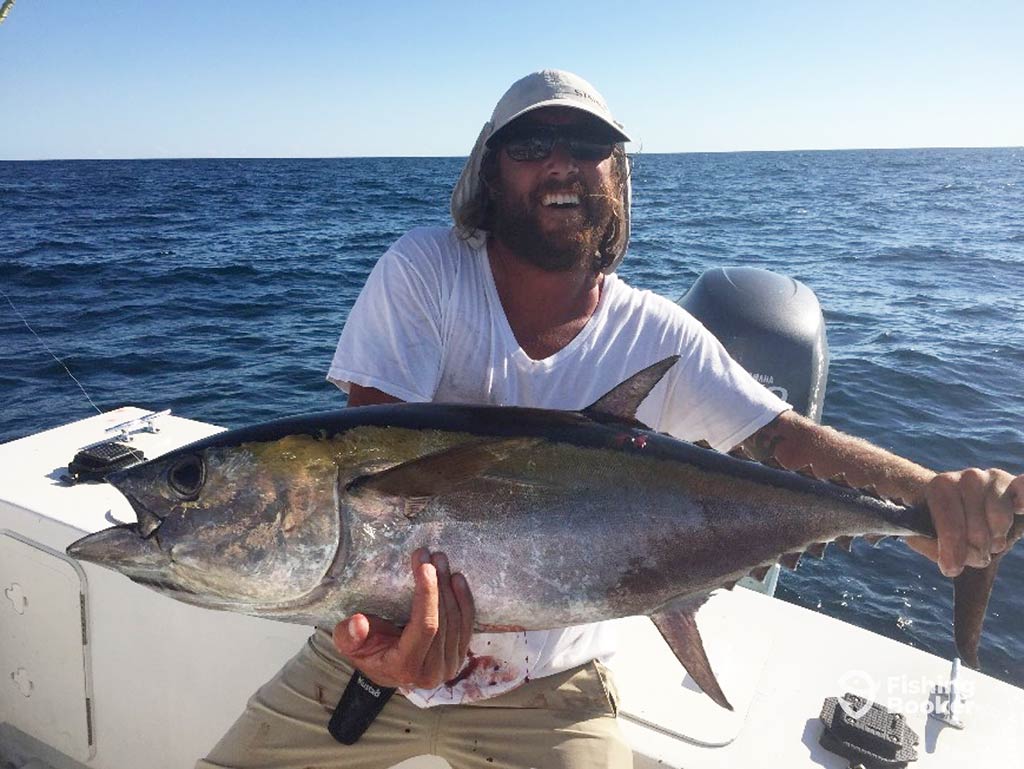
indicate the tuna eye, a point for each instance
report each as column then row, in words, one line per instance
column 186, row 476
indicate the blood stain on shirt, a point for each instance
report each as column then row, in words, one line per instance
column 480, row 672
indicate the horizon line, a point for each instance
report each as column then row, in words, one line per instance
column 463, row 157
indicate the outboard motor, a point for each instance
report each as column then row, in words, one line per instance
column 771, row 325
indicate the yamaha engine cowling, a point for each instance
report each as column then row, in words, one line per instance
column 772, row 325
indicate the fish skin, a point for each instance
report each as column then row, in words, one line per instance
column 555, row 518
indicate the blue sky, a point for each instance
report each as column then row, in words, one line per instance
column 324, row 79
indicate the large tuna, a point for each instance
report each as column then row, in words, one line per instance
column 555, row 518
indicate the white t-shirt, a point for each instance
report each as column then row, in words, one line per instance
column 429, row 326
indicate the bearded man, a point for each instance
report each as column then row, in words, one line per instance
column 519, row 304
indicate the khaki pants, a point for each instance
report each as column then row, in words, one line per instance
column 566, row 720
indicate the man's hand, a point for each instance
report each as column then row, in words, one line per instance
column 431, row 648
column 973, row 511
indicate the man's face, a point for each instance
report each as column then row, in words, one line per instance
column 553, row 212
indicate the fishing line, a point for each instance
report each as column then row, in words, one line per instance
column 47, row 348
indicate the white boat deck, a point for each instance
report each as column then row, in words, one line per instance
column 97, row 671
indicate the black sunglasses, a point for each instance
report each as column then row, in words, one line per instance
column 537, row 142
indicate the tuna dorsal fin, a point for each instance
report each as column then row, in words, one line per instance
column 443, row 471
column 678, row 626
column 624, row 399
column 971, row 591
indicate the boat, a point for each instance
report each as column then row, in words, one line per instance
column 99, row 672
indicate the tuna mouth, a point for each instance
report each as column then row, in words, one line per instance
column 161, row 584
column 146, row 521
column 140, row 559
column 121, row 548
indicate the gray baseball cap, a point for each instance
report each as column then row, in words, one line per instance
column 553, row 88
column 547, row 88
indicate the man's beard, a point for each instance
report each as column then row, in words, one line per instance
column 517, row 225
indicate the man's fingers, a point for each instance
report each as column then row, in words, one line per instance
column 999, row 508
column 390, row 656
column 448, row 640
column 926, row 546
column 973, row 512
column 467, row 614
column 364, row 639
column 419, row 634
column 946, row 506
column 975, row 487
column 430, row 649
column 1015, row 495
column 433, row 669
column 350, row 635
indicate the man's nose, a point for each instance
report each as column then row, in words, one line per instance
column 561, row 161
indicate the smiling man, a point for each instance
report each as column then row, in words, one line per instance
column 519, row 304
column 555, row 216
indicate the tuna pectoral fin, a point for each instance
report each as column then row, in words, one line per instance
column 624, row 399
column 678, row 626
column 440, row 472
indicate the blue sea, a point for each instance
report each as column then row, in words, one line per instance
column 217, row 288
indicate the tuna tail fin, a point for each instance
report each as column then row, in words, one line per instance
column 971, row 591
column 678, row 626
column 625, row 398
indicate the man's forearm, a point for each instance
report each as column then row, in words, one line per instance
column 796, row 442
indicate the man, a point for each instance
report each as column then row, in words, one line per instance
column 519, row 304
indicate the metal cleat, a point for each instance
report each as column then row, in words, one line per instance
column 143, row 424
column 947, row 702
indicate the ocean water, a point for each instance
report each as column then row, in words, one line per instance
column 217, row 288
